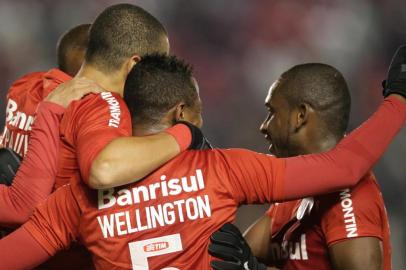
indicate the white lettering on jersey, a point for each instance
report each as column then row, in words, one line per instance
column 114, row 107
column 348, row 210
column 16, row 118
column 19, row 121
column 153, row 216
column 128, row 222
column 135, row 195
column 290, row 250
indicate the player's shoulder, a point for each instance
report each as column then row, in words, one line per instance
column 56, row 75
column 365, row 197
column 23, row 83
column 96, row 102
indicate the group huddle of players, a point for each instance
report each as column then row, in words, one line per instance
column 114, row 173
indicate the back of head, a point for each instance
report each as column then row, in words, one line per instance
column 322, row 87
column 122, row 31
column 155, row 85
column 71, row 49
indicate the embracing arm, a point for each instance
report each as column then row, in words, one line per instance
column 258, row 237
column 20, row 250
column 35, row 178
column 127, row 159
column 344, row 165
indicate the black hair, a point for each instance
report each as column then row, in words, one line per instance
column 324, row 88
column 155, row 85
column 71, row 42
column 121, row 31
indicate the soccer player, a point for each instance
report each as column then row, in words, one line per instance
column 95, row 130
column 26, row 92
column 309, row 108
column 165, row 220
column 18, row 201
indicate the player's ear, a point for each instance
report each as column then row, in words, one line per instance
column 180, row 112
column 302, row 114
column 131, row 62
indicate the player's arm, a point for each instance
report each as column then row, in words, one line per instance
column 257, row 178
column 52, row 228
column 128, row 159
column 20, row 250
column 357, row 254
column 355, row 241
column 343, row 166
column 108, row 156
column 36, row 175
column 258, row 237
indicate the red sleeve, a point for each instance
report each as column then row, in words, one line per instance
column 19, row 250
column 97, row 125
column 349, row 161
column 251, row 177
column 55, row 223
column 357, row 212
column 35, row 178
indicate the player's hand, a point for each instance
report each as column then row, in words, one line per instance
column 9, row 163
column 395, row 82
column 229, row 245
column 199, row 141
column 74, row 89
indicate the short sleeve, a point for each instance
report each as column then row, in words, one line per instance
column 97, row 124
column 55, row 223
column 253, row 177
column 353, row 213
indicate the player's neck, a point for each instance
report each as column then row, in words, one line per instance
column 148, row 129
column 318, row 144
column 113, row 82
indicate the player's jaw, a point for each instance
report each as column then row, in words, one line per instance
column 276, row 126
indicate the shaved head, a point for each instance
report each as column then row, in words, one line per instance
column 122, row 31
column 71, row 49
column 324, row 88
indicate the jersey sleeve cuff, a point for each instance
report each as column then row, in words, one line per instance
column 336, row 235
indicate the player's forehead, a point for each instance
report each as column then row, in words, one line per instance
column 271, row 93
column 195, row 84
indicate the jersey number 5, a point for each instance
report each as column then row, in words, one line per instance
column 140, row 251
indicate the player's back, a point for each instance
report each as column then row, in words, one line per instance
column 22, row 100
column 166, row 219
column 351, row 213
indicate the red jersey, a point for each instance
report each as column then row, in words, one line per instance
column 22, row 100
column 165, row 220
column 308, row 227
column 87, row 126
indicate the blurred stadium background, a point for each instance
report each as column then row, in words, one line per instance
column 238, row 48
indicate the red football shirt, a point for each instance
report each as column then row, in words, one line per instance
column 325, row 221
column 22, row 100
column 87, row 126
column 165, row 220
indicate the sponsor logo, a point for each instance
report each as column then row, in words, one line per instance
column 290, row 250
column 15, row 134
column 348, row 213
column 114, row 107
column 156, row 246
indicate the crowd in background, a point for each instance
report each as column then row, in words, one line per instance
column 238, row 48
